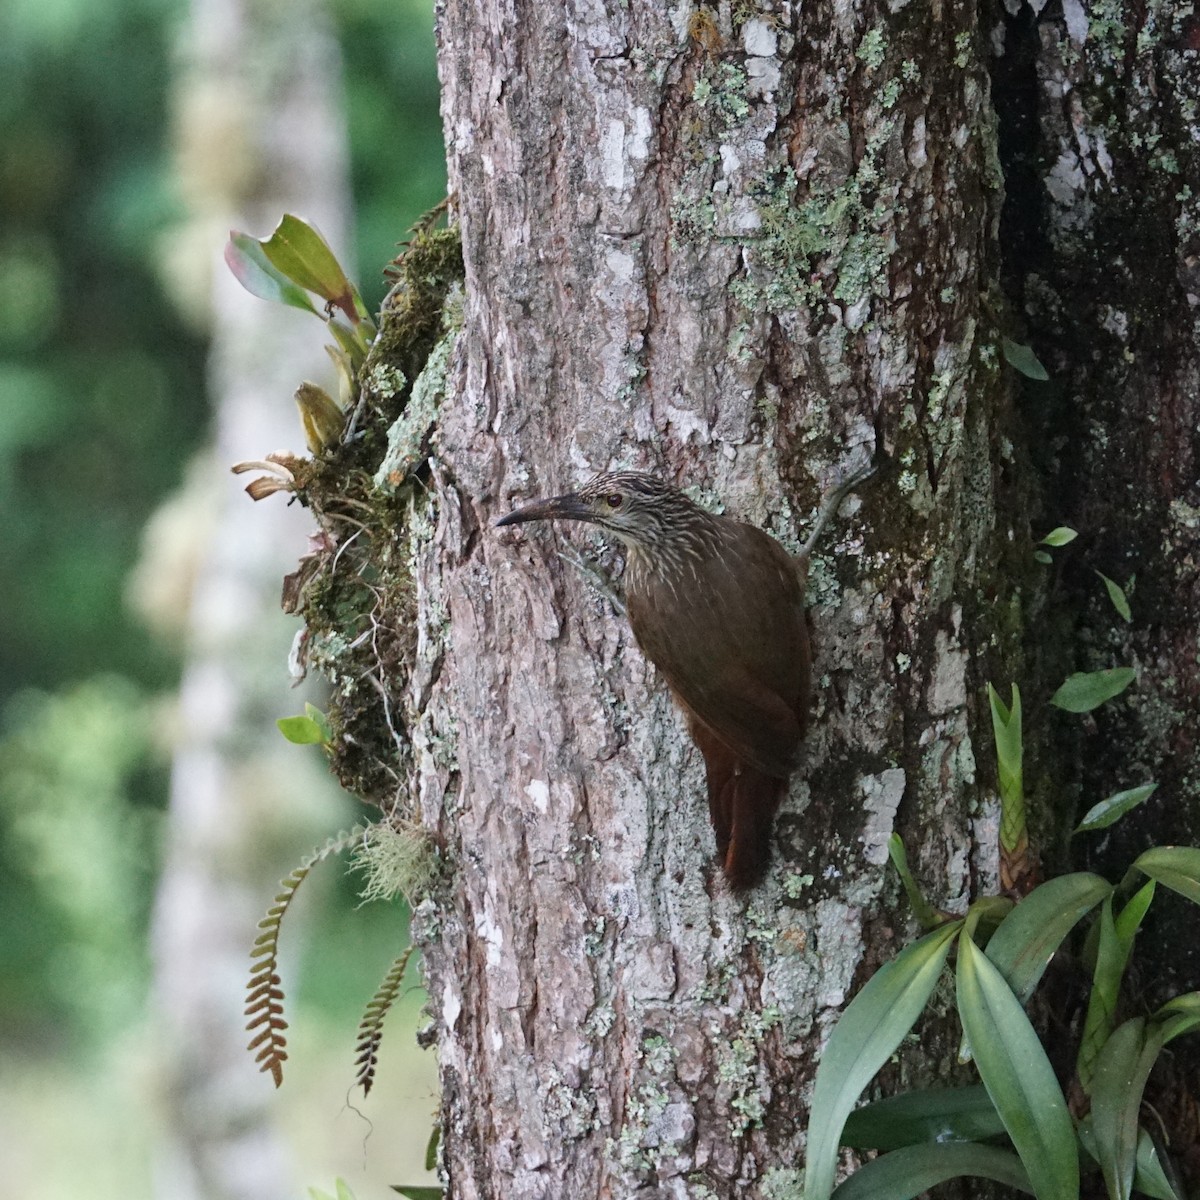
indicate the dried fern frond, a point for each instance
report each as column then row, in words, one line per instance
column 264, row 996
column 370, row 1028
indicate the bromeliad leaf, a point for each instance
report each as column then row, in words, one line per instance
column 1176, row 867
column 1084, row 691
column 254, row 271
column 1017, row 1075
column 1107, row 812
column 915, row 1169
column 1149, row 1176
column 1179, row 1015
column 1122, row 1068
column 865, row 1037
column 1030, row 935
column 934, row 1115
column 1006, row 727
column 1115, row 943
column 922, row 909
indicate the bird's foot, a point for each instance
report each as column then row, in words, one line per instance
column 596, row 576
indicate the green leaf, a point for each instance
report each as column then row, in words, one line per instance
column 1059, row 537
column 935, row 1115
column 1149, row 1177
column 864, row 1038
column 1112, row 956
column 1133, row 914
column 1117, row 595
column 915, row 1169
column 1084, row 691
column 1042, row 557
column 1029, row 936
column 354, row 347
column 1018, row 1076
column 320, row 417
column 253, row 270
column 1176, row 867
column 1122, row 1068
column 1107, row 812
column 302, row 731
column 343, row 1190
column 301, row 254
column 419, row 1193
column 1006, row 728
column 431, row 1147
column 1021, row 358
column 1179, row 1015
column 922, row 909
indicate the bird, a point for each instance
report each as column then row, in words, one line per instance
column 717, row 605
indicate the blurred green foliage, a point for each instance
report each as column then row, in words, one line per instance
column 102, row 402
column 65, row 769
column 102, row 397
column 397, row 163
column 101, row 384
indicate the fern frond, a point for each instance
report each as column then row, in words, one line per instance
column 370, row 1028
column 264, row 996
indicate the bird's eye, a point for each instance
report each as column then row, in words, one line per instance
column 614, row 500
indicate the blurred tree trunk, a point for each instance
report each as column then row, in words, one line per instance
column 260, row 132
column 747, row 251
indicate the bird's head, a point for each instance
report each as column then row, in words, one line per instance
column 632, row 506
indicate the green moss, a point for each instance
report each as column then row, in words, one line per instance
column 355, row 590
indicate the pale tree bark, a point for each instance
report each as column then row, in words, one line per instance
column 260, row 132
column 746, row 249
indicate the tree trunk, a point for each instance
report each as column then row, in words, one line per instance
column 746, row 250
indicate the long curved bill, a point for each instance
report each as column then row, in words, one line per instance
column 571, row 507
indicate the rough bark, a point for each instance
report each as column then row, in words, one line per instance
column 745, row 249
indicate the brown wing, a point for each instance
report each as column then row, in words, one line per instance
column 728, row 634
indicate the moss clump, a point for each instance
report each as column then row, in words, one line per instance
column 354, row 589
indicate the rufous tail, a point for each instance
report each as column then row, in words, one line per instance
column 742, row 802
